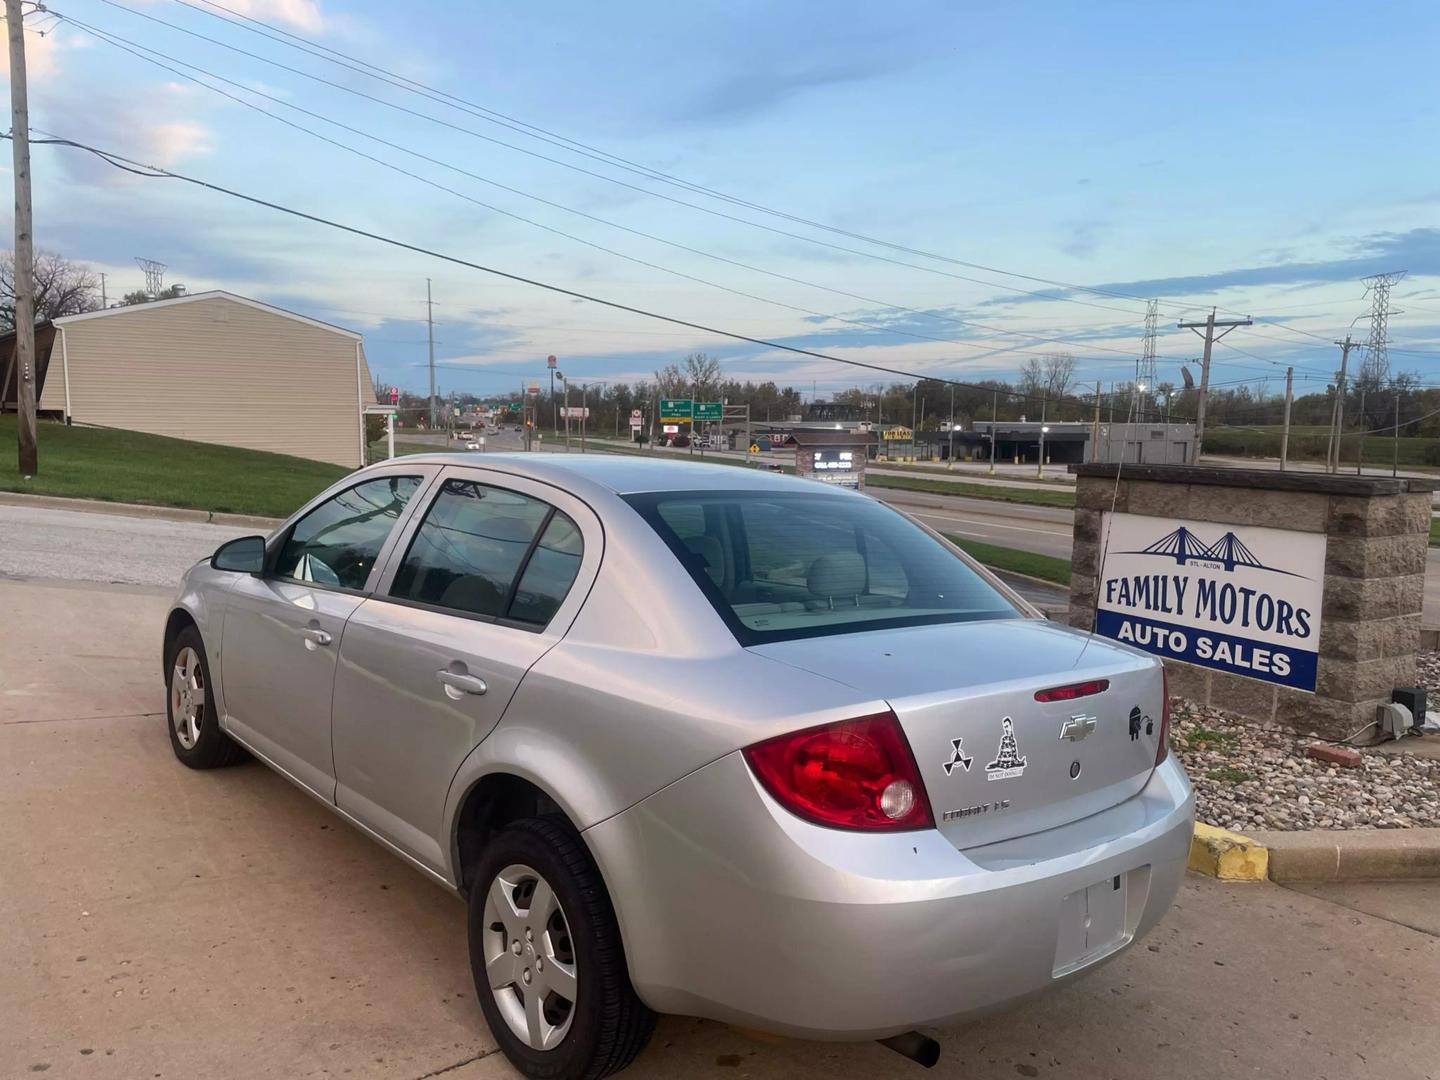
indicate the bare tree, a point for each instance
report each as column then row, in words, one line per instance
column 1059, row 374
column 670, row 381
column 704, row 375
column 62, row 288
column 1032, row 377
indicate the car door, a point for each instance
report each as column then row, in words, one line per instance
column 481, row 584
column 282, row 629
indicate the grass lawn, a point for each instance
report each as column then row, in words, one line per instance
column 126, row 466
column 1434, row 532
column 1045, row 567
column 1028, row 496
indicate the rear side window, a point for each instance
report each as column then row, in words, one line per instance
column 491, row 553
column 338, row 542
column 782, row 565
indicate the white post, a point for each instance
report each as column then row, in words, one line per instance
column 390, row 434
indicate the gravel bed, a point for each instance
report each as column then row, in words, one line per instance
column 1249, row 775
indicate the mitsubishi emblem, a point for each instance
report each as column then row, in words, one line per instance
column 1077, row 727
column 958, row 758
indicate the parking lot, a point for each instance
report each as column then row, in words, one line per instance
column 160, row 922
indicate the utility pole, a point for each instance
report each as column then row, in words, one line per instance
column 1337, row 413
column 25, row 434
column 1395, row 442
column 994, row 420
column 1040, row 464
column 950, row 459
column 430, row 334
column 104, row 302
column 1145, row 365
column 1210, row 337
column 1285, row 432
column 1095, row 426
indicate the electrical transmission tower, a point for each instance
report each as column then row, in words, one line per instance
column 154, row 276
column 1145, row 364
column 1375, row 368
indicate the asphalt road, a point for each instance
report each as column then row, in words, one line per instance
column 164, row 922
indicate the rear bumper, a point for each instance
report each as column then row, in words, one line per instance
column 734, row 909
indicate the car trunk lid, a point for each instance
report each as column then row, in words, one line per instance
column 996, row 762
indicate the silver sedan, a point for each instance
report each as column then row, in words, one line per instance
column 692, row 739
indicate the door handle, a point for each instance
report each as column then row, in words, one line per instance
column 457, row 685
column 315, row 637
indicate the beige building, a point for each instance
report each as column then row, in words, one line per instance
column 216, row 368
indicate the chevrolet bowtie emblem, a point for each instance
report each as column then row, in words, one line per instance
column 1077, row 727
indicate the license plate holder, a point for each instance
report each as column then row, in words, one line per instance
column 1093, row 924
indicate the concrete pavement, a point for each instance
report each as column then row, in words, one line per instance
column 160, row 922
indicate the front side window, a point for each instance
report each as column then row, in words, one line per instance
column 786, row 565
column 338, row 542
column 489, row 552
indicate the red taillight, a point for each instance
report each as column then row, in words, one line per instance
column 1163, row 750
column 1073, row 691
column 858, row 774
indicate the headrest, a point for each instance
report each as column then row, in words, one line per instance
column 838, row 574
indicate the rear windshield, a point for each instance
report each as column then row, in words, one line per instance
column 778, row 566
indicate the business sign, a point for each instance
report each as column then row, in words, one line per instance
column 550, row 362
column 841, row 466
column 670, row 429
column 709, row 410
column 1237, row 598
column 897, row 433
column 533, row 388
column 575, row 412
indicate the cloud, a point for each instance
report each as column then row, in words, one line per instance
column 757, row 89
column 1415, row 250
column 1082, row 238
column 299, row 14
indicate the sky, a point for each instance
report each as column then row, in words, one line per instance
column 940, row 188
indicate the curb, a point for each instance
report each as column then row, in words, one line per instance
column 1354, row 855
column 164, row 513
column 1316, row 855
column 1229, row 856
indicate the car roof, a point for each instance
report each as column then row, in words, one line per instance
column 629, row 474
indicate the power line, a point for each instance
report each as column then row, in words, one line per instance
column 154, row 172
column 131, row 47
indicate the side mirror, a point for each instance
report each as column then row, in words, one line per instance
column 245, row 555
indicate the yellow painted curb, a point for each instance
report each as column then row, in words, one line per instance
column 1220, row 853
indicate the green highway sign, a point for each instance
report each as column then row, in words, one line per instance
column 674, row 409
column 515, row 406
column 709, row 410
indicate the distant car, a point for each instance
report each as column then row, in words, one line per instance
column 518, row 428
column 691, row 739
column 681, row 441
column 472, row 445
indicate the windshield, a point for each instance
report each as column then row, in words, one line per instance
column 782, row 565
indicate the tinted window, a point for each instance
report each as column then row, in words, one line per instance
column 549, row 573
column 490, row 552
column 337, row 542
column 792, row 564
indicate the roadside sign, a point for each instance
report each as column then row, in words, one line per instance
column 533, row 388
column 514, row 406
column 754, row 448
column 550, row 362
column 636, row 414
column 670, row 429
column 394, row 395
column 574, row 412
column 709, row 410
column 898, row 433
column 1243, row 599
column 674, row 410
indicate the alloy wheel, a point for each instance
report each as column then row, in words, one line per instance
column 187, row 697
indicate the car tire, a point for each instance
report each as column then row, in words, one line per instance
column 190, row 713
column 605, row 1025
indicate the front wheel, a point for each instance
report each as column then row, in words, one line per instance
column 194, row 724
column 547, row 960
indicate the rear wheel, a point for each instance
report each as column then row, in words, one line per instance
column 546, row 956
column 195, row 733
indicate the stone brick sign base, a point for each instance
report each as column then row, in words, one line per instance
column 1377, row 531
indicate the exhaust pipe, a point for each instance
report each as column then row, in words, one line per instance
column 920, row 1049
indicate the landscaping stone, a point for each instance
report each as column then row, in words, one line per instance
column 1344, row 756
column 1251, row 775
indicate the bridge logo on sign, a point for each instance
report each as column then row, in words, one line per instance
column 1227, row 553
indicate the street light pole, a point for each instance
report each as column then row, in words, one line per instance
column 1044, row 427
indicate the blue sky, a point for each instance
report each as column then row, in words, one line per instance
column 1247, row 156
